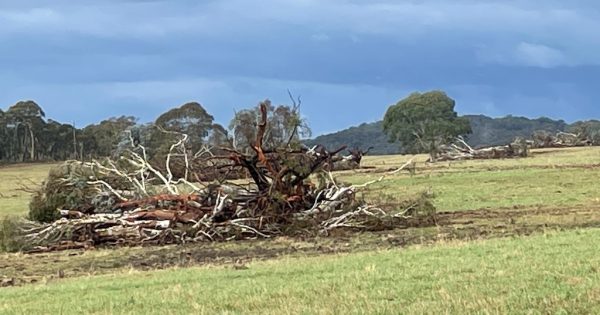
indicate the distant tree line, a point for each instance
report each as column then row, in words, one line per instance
column 26, row 135
column 485, row 131
column 419, row 123
column 489, row 131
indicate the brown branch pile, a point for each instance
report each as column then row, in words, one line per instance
column 460, row 150
column 204, row 166
column 153, row 207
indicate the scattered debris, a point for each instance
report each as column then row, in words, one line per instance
column 7, row 282
column 460, row 150
column 544, row 139
column 347, row 162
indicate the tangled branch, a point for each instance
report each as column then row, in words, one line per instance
column 151, row 207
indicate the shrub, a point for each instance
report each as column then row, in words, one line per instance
column 65, row 188
column 10, row 235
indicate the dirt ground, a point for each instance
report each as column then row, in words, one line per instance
column 19, row 269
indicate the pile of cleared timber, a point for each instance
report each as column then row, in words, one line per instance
column 460, row 150
column 130, row 202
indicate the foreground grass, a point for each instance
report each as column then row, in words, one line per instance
column 554, row 273
column 13, row 200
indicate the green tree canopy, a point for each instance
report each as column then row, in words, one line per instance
column 102, row 139
column 285, row 126
column 190, row 119
column 26, row 110
column 423, row 122
column 25, row 119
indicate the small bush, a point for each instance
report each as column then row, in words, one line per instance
column 10, row 235
column 43, row 209
column 65, row 188
column 419, row 205
column 422, row 204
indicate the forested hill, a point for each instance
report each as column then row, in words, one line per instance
column 486, row 131
column 364, row 136
column 496, row 131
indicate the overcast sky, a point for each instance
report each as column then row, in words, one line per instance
column 86, row 60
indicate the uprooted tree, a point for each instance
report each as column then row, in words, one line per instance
column 285, row 128
column 588, row 130
column 129, row 201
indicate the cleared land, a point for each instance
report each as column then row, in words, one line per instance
column 553, row 196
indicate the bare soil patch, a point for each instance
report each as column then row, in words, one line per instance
column 19, row 269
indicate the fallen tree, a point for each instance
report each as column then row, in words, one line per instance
column 460, row 150
column 131, row 202
column 347, row 162
column 544, row 139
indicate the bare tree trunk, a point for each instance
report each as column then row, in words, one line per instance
column 433, row 151
column 74, row 143
column 32, row 138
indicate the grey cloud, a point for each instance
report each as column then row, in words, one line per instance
column 144, row 56
column 540, row 55
column 570, row 26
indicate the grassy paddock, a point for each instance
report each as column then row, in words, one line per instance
column 554, row 177
column 552, row 273
column 492, row 189
column 548, row 178
column 556, row 272
column 553, row 157
column 13, row 200
column 463, row 226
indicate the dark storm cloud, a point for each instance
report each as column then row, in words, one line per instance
column 86, row 60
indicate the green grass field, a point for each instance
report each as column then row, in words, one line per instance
column 548, row 178
column 514, row 236
column 495, row 188
column 13, row 200
column 545, row 274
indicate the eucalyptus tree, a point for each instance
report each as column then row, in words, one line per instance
column 285, row 126
column 423, row 122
